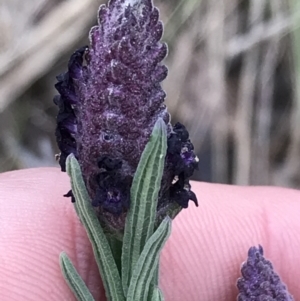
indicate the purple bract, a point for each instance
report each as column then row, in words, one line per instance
column 259, row 281
column 109, row 101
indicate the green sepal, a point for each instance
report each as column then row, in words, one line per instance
column 103, row 255
column 146, row 265
column 140, row 220
column 73, row 279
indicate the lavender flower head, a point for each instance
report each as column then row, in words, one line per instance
column 259, row 281
column 110, row 99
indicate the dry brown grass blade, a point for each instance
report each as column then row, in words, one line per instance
column 178, row 71
column 216, row 88
column 262, row 32
column 292, row 168
column 261, row 168
column 244, row 112
column 54, row 36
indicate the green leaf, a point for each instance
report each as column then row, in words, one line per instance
column 143, row 202
column 145, row 267
column 156, row 275
column 155, row 293
column 103, row 255
column 73, row 279
column 116, row 249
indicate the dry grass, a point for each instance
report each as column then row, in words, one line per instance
column 234, row 81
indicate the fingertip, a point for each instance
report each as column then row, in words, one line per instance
column 209, row 243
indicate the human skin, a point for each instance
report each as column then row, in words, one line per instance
column 200, row 261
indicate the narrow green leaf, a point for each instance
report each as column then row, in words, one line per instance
column 116, row 249
column 160, row 296
column 157, row 295
column 73, row 279
column 147, row 263
column 103, row 255
column 143, row 202
column 152, row 292
column 156, row 275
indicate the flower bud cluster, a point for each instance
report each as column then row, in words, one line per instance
column 109, row 100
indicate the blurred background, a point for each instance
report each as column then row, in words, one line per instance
column 234, row 81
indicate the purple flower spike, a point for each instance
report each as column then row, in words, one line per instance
column 109, row 101
column 259, row 281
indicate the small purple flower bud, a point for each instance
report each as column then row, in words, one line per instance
column 259, row 281
column 110, row 99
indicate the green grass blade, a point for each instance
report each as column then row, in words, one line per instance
column 145, row 267
column 73, row 279
column 143, row 203
column 103, row 255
